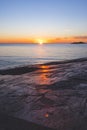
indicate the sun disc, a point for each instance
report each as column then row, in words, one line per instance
column 40, row 41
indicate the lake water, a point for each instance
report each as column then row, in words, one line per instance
column 16, row 55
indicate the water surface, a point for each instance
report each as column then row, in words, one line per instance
column 15, row 55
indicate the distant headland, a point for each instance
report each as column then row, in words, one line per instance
column 78, row 43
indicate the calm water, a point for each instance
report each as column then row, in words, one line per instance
column 15, row 55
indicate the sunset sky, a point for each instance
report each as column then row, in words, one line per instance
column 26, row 21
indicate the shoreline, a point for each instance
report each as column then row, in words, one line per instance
column 30, row 68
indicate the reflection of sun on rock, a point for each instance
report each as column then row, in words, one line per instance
column 43, row 77
column 46, row 115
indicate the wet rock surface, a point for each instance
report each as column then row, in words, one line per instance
column 55, row 95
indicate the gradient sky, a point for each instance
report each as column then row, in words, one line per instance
column 55, row 20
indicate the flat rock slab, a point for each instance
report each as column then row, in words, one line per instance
column 11, row 123
column 53, row 95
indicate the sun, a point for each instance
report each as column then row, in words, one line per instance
column 40, row 41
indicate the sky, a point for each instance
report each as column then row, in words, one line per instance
column 25, row 21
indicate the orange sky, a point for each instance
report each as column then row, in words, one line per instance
column 44, row 40
column 46, row 21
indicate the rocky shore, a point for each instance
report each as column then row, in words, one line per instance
column 53, row 95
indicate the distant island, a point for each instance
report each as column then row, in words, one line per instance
column 78, row 43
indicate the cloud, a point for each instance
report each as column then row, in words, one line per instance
column 81, row 37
